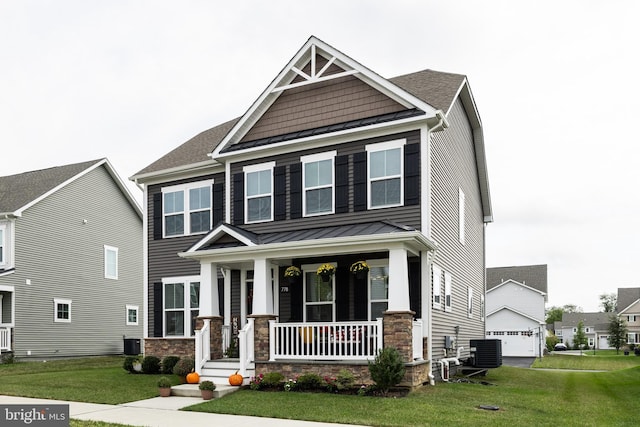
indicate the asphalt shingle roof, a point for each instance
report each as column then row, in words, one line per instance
column 597, row 320
column 533, row 276
column 626, row 297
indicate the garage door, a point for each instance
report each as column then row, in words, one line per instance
column 603, row 342
column 517, row 343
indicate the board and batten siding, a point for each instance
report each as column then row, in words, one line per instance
column 58, row 255
column 453, row 167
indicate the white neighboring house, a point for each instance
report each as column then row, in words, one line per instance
column 595, row 325
column 515, row 302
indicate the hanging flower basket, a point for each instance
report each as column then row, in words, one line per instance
column 359, row 269
column 325, row 271
column 291, row 274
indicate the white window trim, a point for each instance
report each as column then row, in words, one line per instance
column 437, row 287
column 375, row 263
column 108, row 249
column 186, row 281
column 313, row 268
column 257, row 168
column 3, row 244
column 461, row 216
column 57, row 301
column 447, row 292
column 470, row 302
column 126, row 313
column 383, row 146
column 312, row 158
column 185, row 209
column 482, row 307
column 7, row 228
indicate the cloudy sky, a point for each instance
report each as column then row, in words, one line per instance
column 555, row 83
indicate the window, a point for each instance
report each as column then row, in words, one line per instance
column 132, row 315
column 631, row 318
column 469, row 302
column 461, row 215
column 385, row 171
column 319, row 304
column 259, row 192
column 437, row 284
column 6, row 246
column 481, row 307
column 318, row 173
column 378, row 289
column 62, row 310
column 181, row 306
column 632, row 338
column 2, row 244
column 447, row 292
column 187, row 208
column 587, row 330
column 110, row 262
column 575, row 330
column 591, row 342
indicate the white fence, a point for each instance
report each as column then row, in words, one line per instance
column 325, row 341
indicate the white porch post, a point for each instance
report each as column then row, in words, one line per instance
column 398, row 280
column 262, row 288
column 227, row 297
column 209, row 304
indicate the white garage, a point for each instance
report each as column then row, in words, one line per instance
column 522, row 339
column 517, row 343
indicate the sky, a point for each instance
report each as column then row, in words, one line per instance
column 555, row 83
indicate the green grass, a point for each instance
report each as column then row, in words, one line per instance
column 604, row 360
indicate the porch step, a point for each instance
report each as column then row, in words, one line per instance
column 219, row 371
column 192, row 390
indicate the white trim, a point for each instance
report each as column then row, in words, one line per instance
column 448, row 303
column 515, row 282
column 312, row 268
column 396, row 144
column 469, row 302
column 377, row 263
column 134, row 308
column 437, row 286
column 107, row 250
column 261, row 167
column 186, row 281
column 186, row 211
column 313, row 158
column 64, row 301
column 7, row 244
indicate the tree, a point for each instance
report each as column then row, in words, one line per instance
column 617, row 332
column 580, row 338
column 554, row 313
column 608, row 302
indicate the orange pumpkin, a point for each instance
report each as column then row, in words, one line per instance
column 193, row 378
column 235, row 379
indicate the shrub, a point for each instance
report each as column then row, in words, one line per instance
column 310, row 382
column 184, row 366
column 164, row 382
column 272, row 379
column 345, row 380
column 387, row 369
column 151, row 365
column 207, row 385
column 167, row 364
column 128, row 363
column 255, row 383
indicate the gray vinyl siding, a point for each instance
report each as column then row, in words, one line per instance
column 406, row 215
column 63, row 257
column 453, row 166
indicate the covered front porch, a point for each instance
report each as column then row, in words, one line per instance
column 314, row 322
column 7, row 310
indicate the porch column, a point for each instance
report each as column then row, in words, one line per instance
column 262, row 288
column 398, row 280
column 209, row 304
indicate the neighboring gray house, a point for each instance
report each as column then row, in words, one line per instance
column 332, row 164
column 70, row 262
column 596, row 327
column 516, row 298
column 628, row 308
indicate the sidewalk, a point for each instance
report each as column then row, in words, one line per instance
column 159, row 412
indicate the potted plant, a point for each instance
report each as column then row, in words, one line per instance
column 164, row 385
column 325, row 271
column 206, row 389
column 292, row 273
column 359, row 269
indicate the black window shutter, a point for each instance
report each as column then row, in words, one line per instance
column 412, row 174
column 342, row 184
column 238, row 198
column 280, row 189
column 361, row 292
column 157, row 309
column 415, row 291
column 295, row 175
column 157, row 216
column 360, row 181
column 218, row 204
column 342, row 294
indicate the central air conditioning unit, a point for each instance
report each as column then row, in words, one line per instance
column 486, row 353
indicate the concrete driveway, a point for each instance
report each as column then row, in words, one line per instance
column 519, row 362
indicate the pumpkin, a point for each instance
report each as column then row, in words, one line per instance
column 193, row 378
column 235, row 379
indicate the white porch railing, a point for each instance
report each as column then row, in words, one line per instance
column 203, row 345
column 417, row 339
column 246, row 350
column 325, row 341
column 5, row 339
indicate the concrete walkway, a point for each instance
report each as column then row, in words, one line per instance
column 159, row 412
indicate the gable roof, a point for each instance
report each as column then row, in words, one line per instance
column 532, row 276
column 596, row 320
column 21, row 191
column 519, row 313
column 626, row 298
column 493, row 288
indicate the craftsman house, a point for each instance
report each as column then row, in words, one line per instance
column 331, row 165
column 70, row 262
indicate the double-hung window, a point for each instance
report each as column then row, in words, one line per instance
column 378, row 289
column 62, row 310
column 469, row 302
column 187, row 209
column 110, row 262
column 2, row 244
column 437, row 285
column 259, row 192
column 461, row 221
column 318, row 173
column 181, row 306
column 132, row 315
column 447, row 292
column 319, row 301
column 385, row 168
